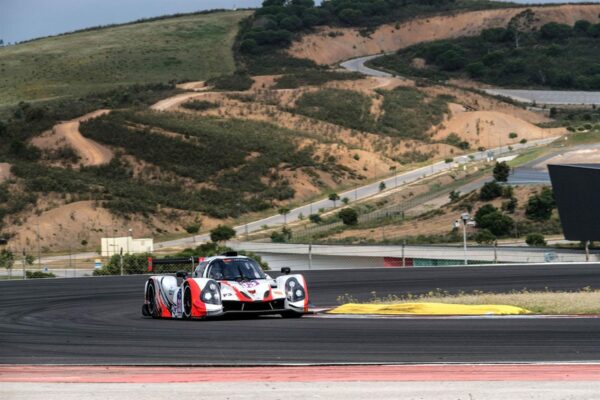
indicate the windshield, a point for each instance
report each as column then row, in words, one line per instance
column 233, row 269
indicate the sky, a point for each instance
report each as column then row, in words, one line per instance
column 28, row 19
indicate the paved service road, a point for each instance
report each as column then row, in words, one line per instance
column 550, row 97
column 98, row 321
column 358, row 65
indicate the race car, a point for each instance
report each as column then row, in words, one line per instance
column 225, row 284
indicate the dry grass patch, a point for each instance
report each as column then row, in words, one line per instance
column 585, row 301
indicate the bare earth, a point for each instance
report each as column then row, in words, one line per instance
column 325, row 49
column 4, row 171
column 491, row 128
column 67, row 133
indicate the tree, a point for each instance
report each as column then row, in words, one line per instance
column 249, row 46
column 539, row 206
column 349, row 216
column 2, row 129
column 535, row 239
column 554, row 30
column 192, row 228
column 484, row 236
column 291, row 23
column 334, row 197
column 345, row 200
column 382, row 186
column 519, row 24
column 284, row 211
column 497, row 223
column 350, row 16
column 7, row 259
column 582, row 27
column 490, row 191
column 222, row 233
column 483, row 211
column 501, row 171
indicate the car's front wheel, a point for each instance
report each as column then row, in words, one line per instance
column 291, row 314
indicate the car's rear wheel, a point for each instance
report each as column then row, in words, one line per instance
column 152, row 306
column 187, row 302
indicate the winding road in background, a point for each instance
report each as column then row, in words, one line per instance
column 548, row 97
column 98, row 321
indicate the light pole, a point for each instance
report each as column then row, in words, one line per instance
column 466, row 220
column 129, row 238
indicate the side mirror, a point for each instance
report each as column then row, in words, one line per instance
column 181, row 274
column 286, row 270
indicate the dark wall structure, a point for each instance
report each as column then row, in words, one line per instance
column 577, row 192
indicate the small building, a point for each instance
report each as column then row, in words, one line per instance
column 128, row 245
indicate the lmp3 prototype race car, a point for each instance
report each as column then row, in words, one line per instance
column 222, row 285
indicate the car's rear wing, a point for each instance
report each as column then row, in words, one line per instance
column 172, row 264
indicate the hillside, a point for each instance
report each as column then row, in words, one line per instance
column 330, row 45
column 558, row 56
column 166, row 159
column 190, row 47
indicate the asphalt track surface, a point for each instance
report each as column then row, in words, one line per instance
column 98, row 321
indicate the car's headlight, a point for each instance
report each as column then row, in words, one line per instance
column 294, row 290
column 211, row 293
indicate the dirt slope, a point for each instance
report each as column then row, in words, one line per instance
column 491, row 128
column 69, row 225
column 67, row 133
column 4, row 171
column 325, row 49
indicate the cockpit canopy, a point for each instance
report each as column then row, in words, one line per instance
column 234, row 269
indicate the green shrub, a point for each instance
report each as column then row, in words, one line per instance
column 235, row 82
column 484, row 236
column 222, row 233
column 39, row 275
column 490, row 191
column 483, row 211
column 342, row 107
column 535, row 239
column 349, row 216
column 510, row 206
column 316, row 77
column 199, row 105
column 501, row 171
column 539, row 206
column 409, row 113
column 315, row 218
column 497, row 223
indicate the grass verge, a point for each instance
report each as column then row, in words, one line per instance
column 584, row 301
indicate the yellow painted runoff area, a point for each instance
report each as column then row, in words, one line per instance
column 428, row 309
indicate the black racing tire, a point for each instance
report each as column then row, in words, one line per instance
column 186, row 302
column 291, row 314
column 145, row 311
column 151, row 300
